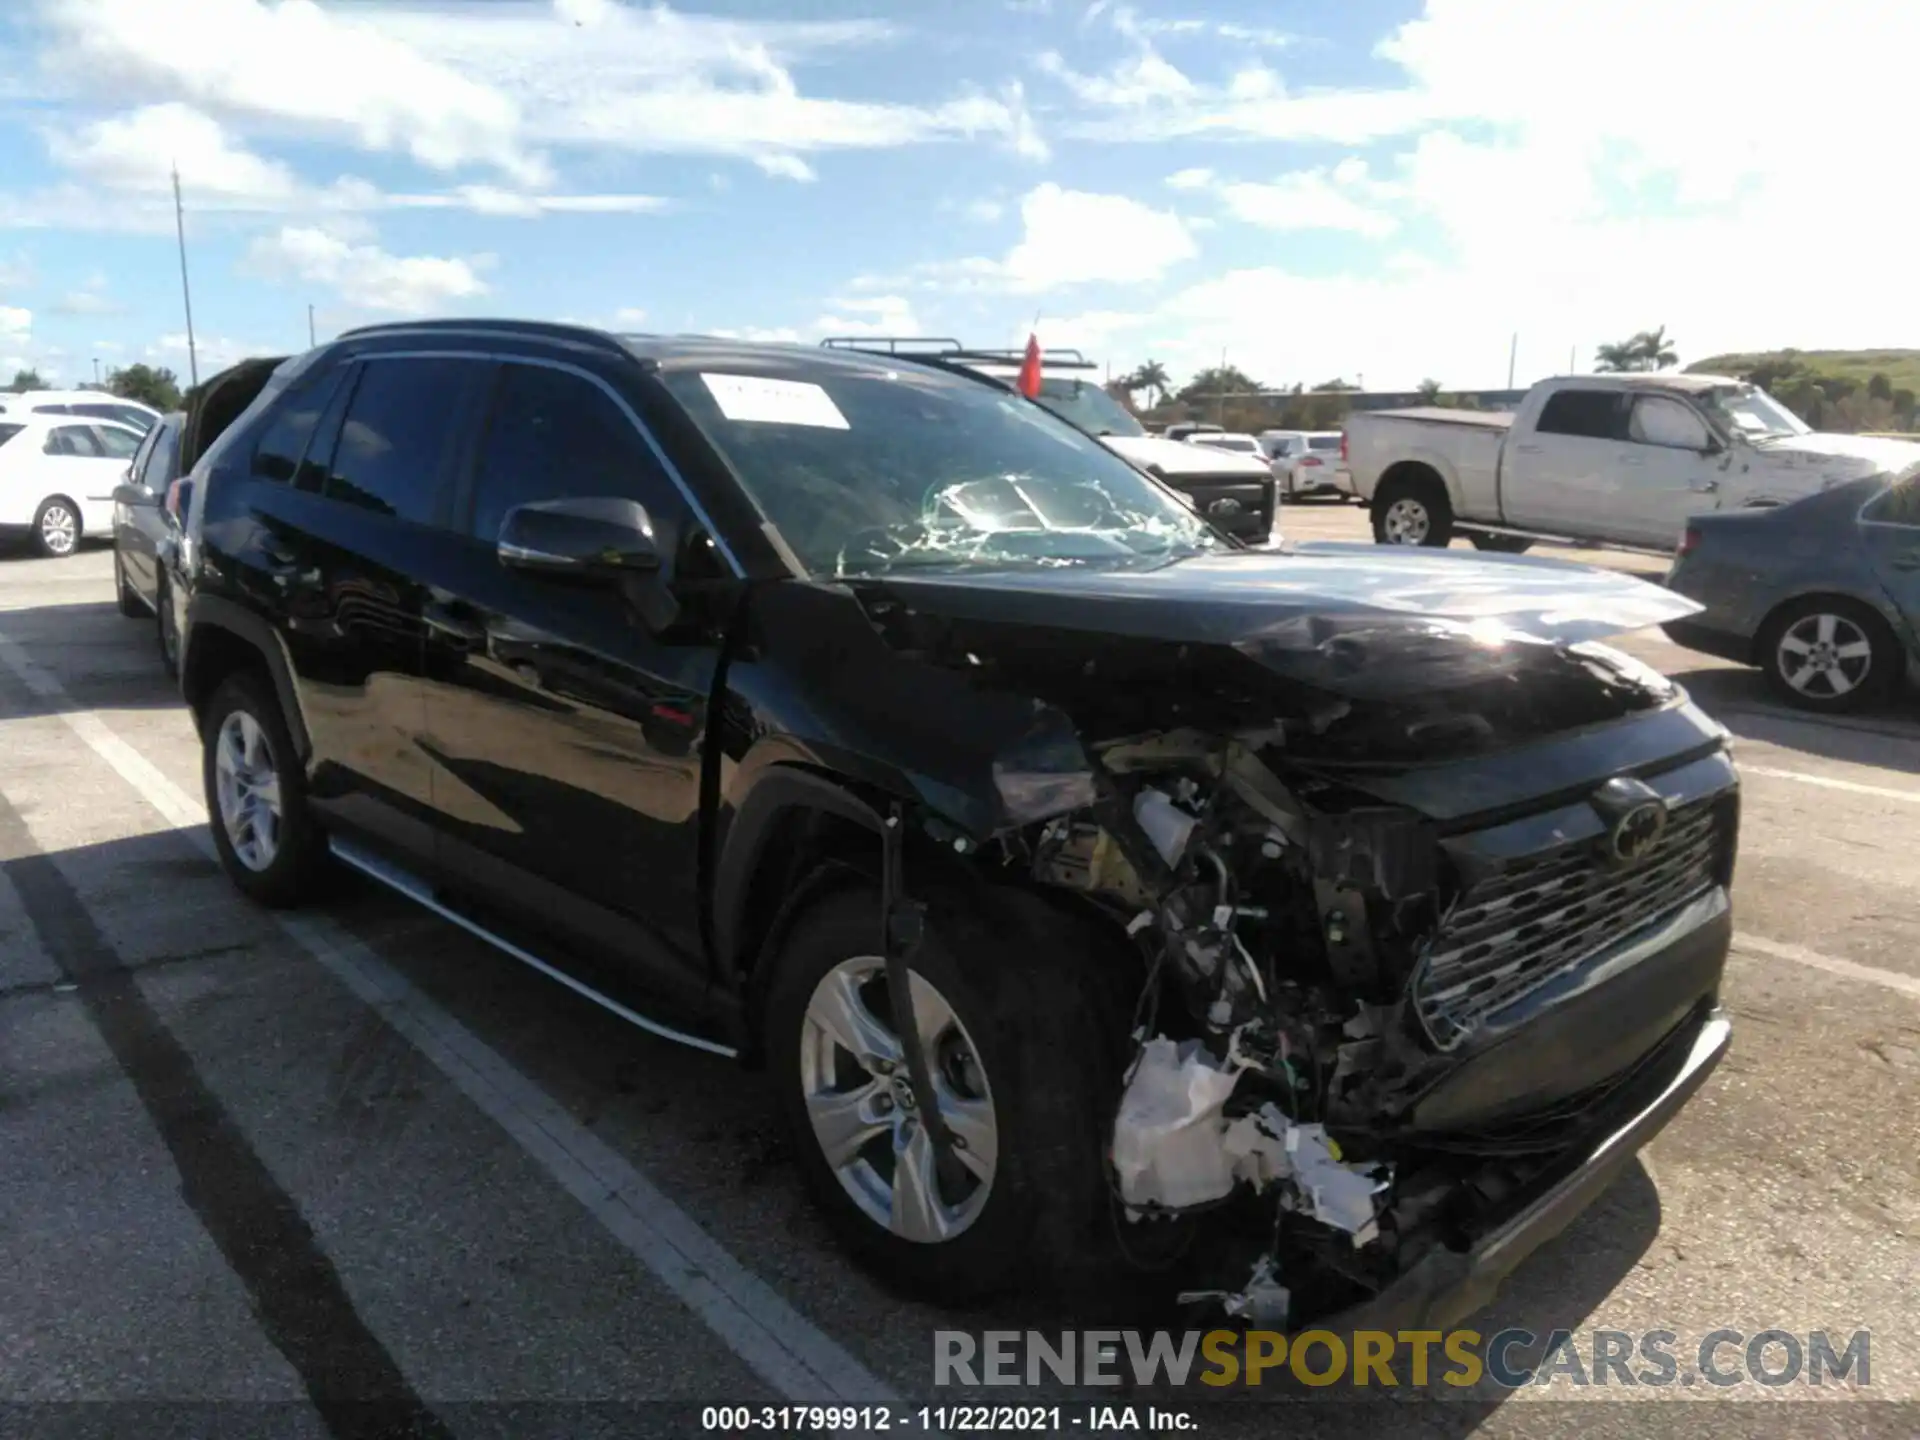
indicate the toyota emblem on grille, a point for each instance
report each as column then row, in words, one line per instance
column 1635, row 817
column 1225, row 508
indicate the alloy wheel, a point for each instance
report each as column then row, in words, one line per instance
column 248, row 788
column 1407, row 522
column 864, row 1112
column 59, row 530
column 1824, row 656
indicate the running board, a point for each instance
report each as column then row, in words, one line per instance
column 405, row 883
column 1475, row 527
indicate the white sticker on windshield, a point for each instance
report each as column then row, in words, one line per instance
column 759, row 401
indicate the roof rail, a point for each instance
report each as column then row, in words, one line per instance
column 939, row 347
column 532, row 329
column 892, row 344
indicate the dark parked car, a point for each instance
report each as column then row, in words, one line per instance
column 146, row 531
column 1823, row 594
column 1347, row 918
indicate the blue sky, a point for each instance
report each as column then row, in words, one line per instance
column 1388, row 189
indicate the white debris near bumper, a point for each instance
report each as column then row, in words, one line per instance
column 1167, row 1148
column 1265, row 1148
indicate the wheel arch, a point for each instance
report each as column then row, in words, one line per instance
column 221, row 638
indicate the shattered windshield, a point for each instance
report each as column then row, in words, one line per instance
column 1752, row 412
column 865, row 471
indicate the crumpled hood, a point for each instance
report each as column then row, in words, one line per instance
column 1360, row 621
column 1857, row 455
column 1174, row 458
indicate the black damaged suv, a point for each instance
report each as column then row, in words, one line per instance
column 1320, row 927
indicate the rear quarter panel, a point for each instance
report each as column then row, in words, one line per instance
column 1466, row 456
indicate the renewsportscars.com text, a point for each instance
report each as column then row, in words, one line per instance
column 1407, row 1358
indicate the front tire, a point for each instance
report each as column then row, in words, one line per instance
column 1412, row 511
column 1831, row 656
column 125, row 597
column 268, row 841
column 1024, row 1074
column 1502, row 544
column 56, row 528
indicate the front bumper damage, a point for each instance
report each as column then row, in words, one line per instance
column 1447, row 1285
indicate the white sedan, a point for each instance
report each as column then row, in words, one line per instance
column 57, row 475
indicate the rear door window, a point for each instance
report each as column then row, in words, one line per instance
column 398, row 436
column 115, row 443
column 74, row 440
column 283, row 441
column 1590, row 414
column 551, row 434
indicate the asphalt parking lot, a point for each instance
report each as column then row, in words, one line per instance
column 354, row 1155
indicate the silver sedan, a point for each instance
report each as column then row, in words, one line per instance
column 1823, row 594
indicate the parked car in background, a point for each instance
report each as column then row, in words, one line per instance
column 1305, row 462
column 1234, row 492
column 853, row 717
column 1187, row 429
column 146, row 533
column 1823, row 594
column 57, row 478
column 1609, row 459
column 1229, row 440
column 94, row 404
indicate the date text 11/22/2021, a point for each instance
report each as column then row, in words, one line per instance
column 947, row 1419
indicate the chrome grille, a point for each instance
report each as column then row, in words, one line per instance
column 1534, row 920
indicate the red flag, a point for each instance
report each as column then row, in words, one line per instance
column 1030, row 369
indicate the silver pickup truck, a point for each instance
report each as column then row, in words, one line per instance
column 1600, row 459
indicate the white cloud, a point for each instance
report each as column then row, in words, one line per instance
column 654, row 80
column 366, row 275
column 871, row 315
column 211, row 353
column 328, row 70
column 1338, row 197
column 137, row 151
column 496, row 201
column 16, row 325
column 90, row 299
column 1072, row 237
column 785, row 167
column 1196, row 178
column 628, row 315
column 760, row 334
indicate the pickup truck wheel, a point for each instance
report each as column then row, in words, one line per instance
column 1412, row 512
column 1503, row 544
column 1019, row 1078
column 1829, row 655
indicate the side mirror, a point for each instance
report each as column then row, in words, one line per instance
column 132, row 495
column 596, row 537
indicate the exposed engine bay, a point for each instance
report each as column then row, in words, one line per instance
column 1278, row 1046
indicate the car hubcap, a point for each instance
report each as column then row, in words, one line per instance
column 249, row 790
column 1825, row 656
column 866, row 1117
column 1407, row 522
column 59, row 529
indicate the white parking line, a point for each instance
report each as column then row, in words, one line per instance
column 1826, row 782
column 1832, row 964
column 776, row 1342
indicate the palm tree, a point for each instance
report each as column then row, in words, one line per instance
column 1655, row 349
column 1151, row 377
column 1429, row 391
column 1616, row 359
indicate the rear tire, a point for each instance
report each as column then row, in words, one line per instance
column 1502, row 544
column 168, row 630
column 1041, row 1043
column 1412, row 510
column 269, row 843
column 1829, row 655
column 56, row 528
column 128, row 600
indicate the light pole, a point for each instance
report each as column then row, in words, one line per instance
column 186, row 294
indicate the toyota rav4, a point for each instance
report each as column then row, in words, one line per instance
column 1320, row 928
